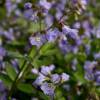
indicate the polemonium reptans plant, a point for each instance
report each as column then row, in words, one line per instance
column 49, row 50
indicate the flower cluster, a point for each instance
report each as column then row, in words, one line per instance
column 48, row 81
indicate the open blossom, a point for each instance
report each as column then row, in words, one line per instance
column 40, row 79
column 52, row 35
column 89, row 66
column 37, row 40
column 55, row 78
column 46, row 70
column 64, row 77
column 89, row 69
column 89, row 76
column 28, row 13
column 48, row 89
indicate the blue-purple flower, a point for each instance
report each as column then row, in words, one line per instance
column 97, row 77
column 55, row 78
column 52, row 35
column 97, row 55
column 89, row 69
column 73, row 33
column 40, row 79
column 45, row 4
column 48, row 89
column 64, row 77
column 46, row 70
column 28, row 5
column 89, row 66
column 37, row 40
column 2, row 53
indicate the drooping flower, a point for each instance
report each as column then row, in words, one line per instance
column 9, row 34
column 28, row 5
column 48, row 20
column 97, row 55
column 97, row 77
column 2, row 53
column 73, row 33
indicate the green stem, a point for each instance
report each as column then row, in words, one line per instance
column 20, row 74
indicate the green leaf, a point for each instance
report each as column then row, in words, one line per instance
column 79, row 77
column 50, row 52
column 98, row 90
column 11, row 71
column 21, row 22
column 33, row 51
column 16, row 43
column 42, row 60
column 2, row 13
column 34, row 27
column 6, row 80
column 46, row 47
column 27, row 88
column 14, row 55
column 69, row 57
column 81, row 57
